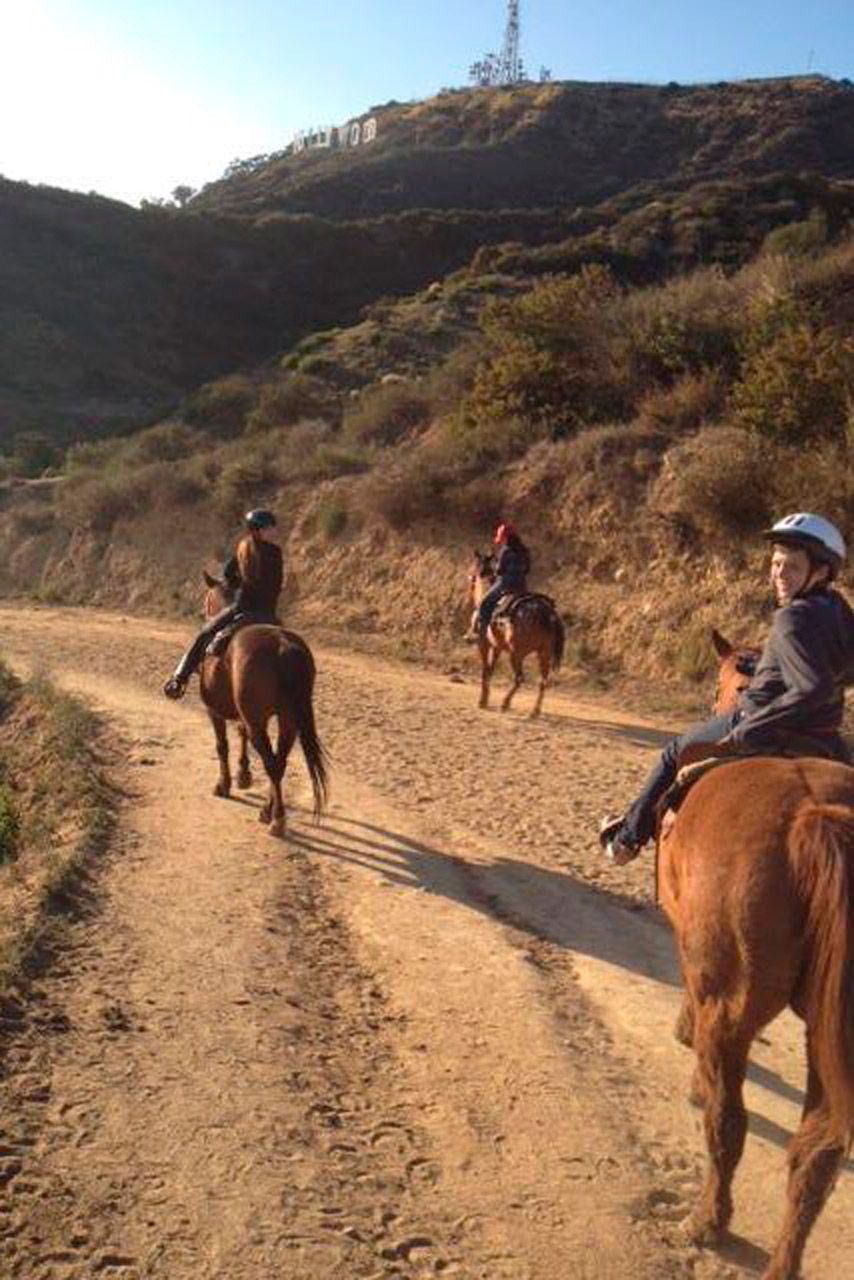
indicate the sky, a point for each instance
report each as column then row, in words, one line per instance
column 131, row 98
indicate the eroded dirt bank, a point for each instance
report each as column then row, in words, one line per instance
column 428, row 1037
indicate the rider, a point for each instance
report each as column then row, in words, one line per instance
column 255, row 574
column 511, row 573
column 798, row 686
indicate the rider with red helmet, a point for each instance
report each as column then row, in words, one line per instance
column 511, row 573
column 799, row 683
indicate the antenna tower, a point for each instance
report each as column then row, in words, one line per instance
column 510, row 71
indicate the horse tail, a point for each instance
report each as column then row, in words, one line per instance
column 297, row 673
column 821, row 855
column 558, row 639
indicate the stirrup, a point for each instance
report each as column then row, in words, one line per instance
column 175, row 688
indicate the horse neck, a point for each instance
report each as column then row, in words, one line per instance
column 480, row 584
column 215, row 601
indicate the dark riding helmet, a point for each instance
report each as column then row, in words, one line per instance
column 260, row 519
column 821, row 540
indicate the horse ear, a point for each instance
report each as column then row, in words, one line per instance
column 723, row 648
column 209, row 580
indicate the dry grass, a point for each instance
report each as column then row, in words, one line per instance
column 59, row 809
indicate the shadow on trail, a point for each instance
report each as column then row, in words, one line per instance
column 550, row 905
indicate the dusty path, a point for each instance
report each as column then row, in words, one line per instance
column 430, row 1037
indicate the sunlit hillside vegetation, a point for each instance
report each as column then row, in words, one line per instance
column 641, row 383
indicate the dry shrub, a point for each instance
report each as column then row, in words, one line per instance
column 165, row 442
column 691, row 401
column 332, row 517
column 406, row 491
column 383, row 415
column 222, row 406
column 31, row 520
column 291, row 400
column 98, row 501
column 719, row 481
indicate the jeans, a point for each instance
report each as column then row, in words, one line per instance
column 639, row 823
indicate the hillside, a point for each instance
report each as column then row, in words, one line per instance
column 109, row 315
column 555, row 144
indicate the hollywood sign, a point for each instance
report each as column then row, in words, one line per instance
column 356, row 134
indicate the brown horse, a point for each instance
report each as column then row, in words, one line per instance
column 532, row 626
column 265, row 673
column 757, row 878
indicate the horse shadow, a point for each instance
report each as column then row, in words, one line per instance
column 549, row 905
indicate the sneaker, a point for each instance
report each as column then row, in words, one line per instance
column 175, row 688
column 617, row 850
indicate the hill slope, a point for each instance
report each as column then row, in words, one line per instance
column 556, row 144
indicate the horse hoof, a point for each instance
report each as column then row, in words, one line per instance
column 683, row 1029
column 264, row 816
column 277, row 829
column 244, row 780
column 222, row 791
column 703, row 1231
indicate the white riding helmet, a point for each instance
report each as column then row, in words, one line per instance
column 816, row 535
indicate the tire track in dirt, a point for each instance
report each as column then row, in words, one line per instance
column 525, row 1015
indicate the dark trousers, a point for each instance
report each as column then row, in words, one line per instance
column 192, row 658
column 639, row 824
column 490, row 601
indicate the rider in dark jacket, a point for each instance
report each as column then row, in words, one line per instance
column 511, row 573
column 254, row 574
column 798, row 688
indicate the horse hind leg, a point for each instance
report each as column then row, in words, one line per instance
column 223, row 786
column 722, row 1048
column 287, row 738
column 244, row 773
column 544, row 659
column 518, row 676
column 273, row 811
column 815, row 1155
column 488, row 659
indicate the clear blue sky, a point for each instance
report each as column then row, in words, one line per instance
column 131, row 97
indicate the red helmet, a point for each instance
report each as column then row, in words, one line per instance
column 503, row 532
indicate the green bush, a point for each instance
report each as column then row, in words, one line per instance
column 9, row 826
column 797, row 388
column 798, row 239
column 332, row 517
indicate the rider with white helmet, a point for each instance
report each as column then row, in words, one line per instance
column 799, row 684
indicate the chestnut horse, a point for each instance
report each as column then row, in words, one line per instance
column 533, row 626
column 756, row 876
column 264, row 673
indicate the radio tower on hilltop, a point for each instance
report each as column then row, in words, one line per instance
column 505, row 67
column 511, row 70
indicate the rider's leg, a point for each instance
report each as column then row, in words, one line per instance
column 177, row 683
column 628, row 835
column 488, row 605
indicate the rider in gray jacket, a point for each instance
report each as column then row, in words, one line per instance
column 799, row 684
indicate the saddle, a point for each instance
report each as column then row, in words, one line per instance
column 223, row 639
column 508, row 604
column 700, row 759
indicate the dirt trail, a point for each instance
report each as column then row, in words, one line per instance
column 429, row 1037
